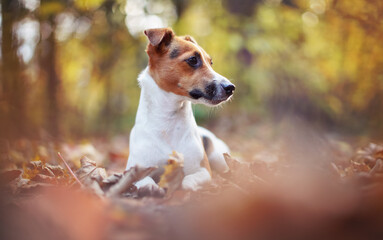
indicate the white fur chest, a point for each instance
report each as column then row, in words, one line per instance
column 164, row 123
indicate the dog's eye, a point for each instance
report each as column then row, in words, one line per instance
column 192, row 61
column 211, row 61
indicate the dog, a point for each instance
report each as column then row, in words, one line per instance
column 179, row 73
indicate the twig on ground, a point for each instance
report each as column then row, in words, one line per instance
column 69, row 169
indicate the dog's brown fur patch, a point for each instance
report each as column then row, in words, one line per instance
column 172, row 73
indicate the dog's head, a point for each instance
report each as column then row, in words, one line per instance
column 179, row 65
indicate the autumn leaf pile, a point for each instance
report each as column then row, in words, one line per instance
column 37, row 175
column 338, row 200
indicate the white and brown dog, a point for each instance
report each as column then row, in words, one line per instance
column 179, row 73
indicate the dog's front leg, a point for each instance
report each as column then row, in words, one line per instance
column 195, row 180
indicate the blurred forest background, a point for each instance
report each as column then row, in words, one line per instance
column 69, row 67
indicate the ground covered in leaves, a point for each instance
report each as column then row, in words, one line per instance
column 299, row 185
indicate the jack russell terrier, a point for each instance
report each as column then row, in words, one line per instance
column 179, row 73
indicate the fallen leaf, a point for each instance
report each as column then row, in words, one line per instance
column 41, row 178
column 30, row 170
column 89, row 171
column 35, row 164
column 91, row 175
column 172, row 177
column 47, row 171
column 367, row 156
column 57, row 170
column 129, row 177
column 112, row 179
column 9, row 175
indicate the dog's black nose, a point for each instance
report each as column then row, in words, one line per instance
column 228, row 87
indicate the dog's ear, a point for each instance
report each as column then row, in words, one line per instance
column 190, row 39
column 159, row 36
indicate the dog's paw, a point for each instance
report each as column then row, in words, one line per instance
column 189, row 183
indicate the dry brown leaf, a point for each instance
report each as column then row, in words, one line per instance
column 172, row 177
column 91, row 175
column 34, row 174
column 9, row 175
column 129, row 177
column 110, row 181
column 39, row 171
column 89, row 171
column 9, row 180
column 368, row 155
column 41, row 178
column 30, row 170
column 57, row 170
column 35, row 164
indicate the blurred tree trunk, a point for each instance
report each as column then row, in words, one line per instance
column 53, row 83
column 108, row 61
column 181, row 6
column 13, row 125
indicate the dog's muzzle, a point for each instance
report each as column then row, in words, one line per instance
column 215, row 92
column 219, row 92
